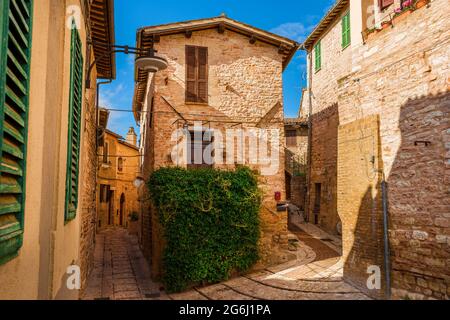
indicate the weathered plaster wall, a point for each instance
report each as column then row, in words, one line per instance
column 50, row 245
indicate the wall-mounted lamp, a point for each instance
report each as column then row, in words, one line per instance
column 147, row 60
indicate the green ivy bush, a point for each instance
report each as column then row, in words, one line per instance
column 210, row 220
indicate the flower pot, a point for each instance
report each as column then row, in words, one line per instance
column 386, row 24
column 401, row 16
column 421, row 3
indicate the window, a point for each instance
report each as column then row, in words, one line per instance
column 196, row 74
column 199, row 143
column 318, row 55
column 15, row 32
column 105, row 152
column 75, row 109
column 346, row 35
column 120, row 164
column 291, row 138
column 385, row 3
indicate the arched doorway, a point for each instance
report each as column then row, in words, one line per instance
column 122, row 208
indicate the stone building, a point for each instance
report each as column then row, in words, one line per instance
column 119, row 166
column 378, row 97
column 222, row 75
column 296, row 132
column 47, row 142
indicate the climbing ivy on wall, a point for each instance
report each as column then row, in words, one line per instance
column 210, row 221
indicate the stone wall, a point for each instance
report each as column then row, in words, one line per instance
column 245, row 84
column 87, row 185
column 402, row 75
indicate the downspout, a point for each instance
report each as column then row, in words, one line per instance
column 387, row 253
column 310, row 124
column 97, row 101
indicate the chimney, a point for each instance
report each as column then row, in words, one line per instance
column 132, row 137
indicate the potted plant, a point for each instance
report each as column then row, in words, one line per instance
column 369, row 32
column 421, row 3
column 386, row 24
column 133, row 225
column 404, row 11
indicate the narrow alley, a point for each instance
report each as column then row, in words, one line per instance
column 121, row 273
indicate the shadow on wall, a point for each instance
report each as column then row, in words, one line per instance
column 323, row 186
column 418, row 205
column 419, row 200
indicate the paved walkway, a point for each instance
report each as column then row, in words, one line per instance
column 121, row 272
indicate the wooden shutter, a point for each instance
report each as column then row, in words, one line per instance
column 15, row 47
column 197, row 74
column 74, row 139
column 385, row 3
column 346, row 33
column 318, row 56
column 291, row 138
column 202, row 93
column 191, row 74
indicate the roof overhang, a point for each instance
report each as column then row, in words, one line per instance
column 325, row 23
column 103, row 36
column 295, row 122
column 147, row 36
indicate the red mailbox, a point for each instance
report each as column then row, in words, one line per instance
column 277, row 196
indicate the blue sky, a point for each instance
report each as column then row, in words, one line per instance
column 291, row 18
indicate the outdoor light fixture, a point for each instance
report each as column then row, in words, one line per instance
column 152, row 63
column 147, row 60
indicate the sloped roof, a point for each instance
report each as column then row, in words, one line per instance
column 326, row 21
column 147, row 36
column 101, row 14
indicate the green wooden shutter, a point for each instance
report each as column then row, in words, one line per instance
column 74, row 138
column 346, row 34
column 15, row 48
column 318, row 56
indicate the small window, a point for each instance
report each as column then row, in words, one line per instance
column 385, row 3
column 318, row 56
column 105, row 152
column 120, row 164
column 291, row 138
column 346, row 34
column 199, row 142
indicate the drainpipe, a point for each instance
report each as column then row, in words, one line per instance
column 97, row 101
column 308, row 180
column 387, row 253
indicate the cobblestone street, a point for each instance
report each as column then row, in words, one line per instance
column 121, row 273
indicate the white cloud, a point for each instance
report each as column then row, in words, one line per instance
column 293, row 30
